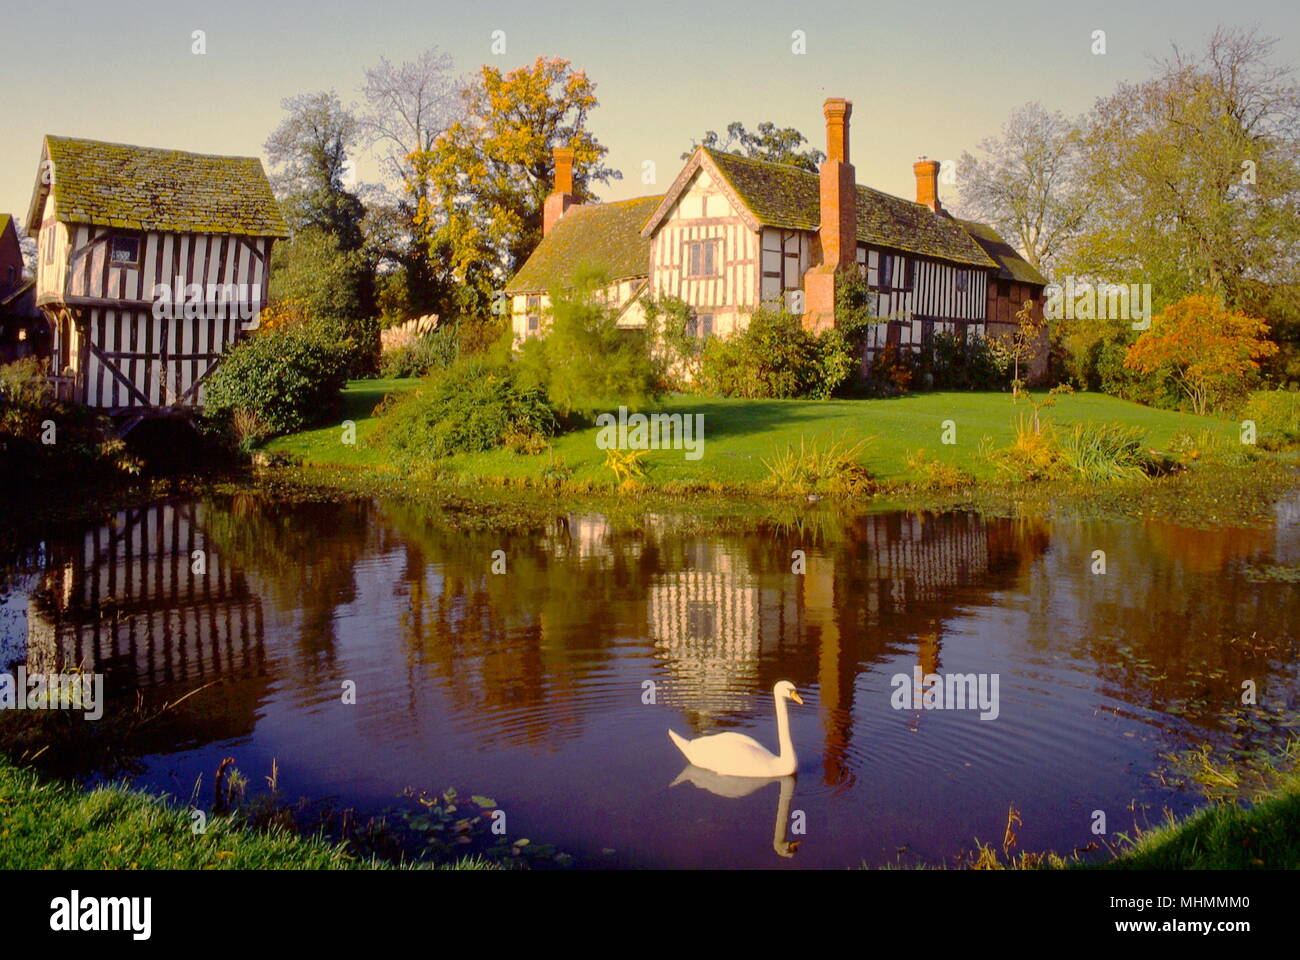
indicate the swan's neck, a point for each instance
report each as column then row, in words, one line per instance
column 784, row 744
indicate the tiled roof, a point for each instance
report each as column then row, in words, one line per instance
column 604, row 236
column 790, row 198
column 143, row 188
column 1013, row 265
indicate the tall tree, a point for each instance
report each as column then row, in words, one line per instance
column 490, row 172
column 768, row 142
column 1194, row 173
column 406, row 108
column 309, row 156
column 1026, row 184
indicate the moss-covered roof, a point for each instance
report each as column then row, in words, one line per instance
column 1012, row 265
column 143, row 188
column 602, row 236
column 790, row 198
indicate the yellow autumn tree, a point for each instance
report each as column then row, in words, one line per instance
column 489, row 173
column 1211, row 352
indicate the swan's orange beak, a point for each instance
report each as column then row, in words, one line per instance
column 794, row 695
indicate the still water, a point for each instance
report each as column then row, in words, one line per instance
column 532, row 685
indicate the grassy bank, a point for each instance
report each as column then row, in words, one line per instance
column 741, row 434
column 51, row 825
column 1225, row 836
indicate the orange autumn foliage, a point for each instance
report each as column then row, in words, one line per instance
column 1211, row 352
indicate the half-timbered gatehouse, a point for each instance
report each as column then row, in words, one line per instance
column 150, row 264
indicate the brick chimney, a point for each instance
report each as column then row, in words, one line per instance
column 561, row 196
column 927, row 183
column 838, row 230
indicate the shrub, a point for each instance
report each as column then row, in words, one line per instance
column 282, row 379
column 1104, row 451
column 474, row 405
column 436, row 350
column 44, row 440
column 586, row 360
column 775, row 357
column 1277, row 416
column 892, row 370
column 951, row 362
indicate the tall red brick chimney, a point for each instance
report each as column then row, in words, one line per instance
column 561, row 196
column 838, row 230
column 927, row 183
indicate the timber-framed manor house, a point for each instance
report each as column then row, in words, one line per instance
column 734, row 234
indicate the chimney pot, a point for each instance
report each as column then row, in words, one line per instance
column 837, row 111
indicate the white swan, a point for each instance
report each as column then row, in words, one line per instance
column 736, row 755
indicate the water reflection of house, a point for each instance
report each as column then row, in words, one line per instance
column 128, row 599
column 704, row 621
column 589, row 537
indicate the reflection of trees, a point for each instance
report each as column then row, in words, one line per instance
column 1164, row 626
column 523, row 645
column 302, row 556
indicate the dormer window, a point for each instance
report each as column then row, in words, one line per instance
column 124, row 251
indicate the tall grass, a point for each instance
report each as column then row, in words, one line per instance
column 834, row 470
column 1104, row 451
column 1092, row 452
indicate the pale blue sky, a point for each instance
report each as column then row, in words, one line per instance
column 927, row 78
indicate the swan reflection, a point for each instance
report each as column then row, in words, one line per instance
column 737, row 787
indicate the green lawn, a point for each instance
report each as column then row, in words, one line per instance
column 740, row 434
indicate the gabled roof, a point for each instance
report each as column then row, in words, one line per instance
column 604, row 236
column 787, row 197
column 143, row 188
column 1012, row 265
column 21, row 302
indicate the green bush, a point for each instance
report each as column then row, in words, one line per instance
column 775, row 357
column 1277, row 417
column 474, row 405
column 43, row 440
column 434, row 351
column 279, row 381
column 586, row 362
column 951, row 362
